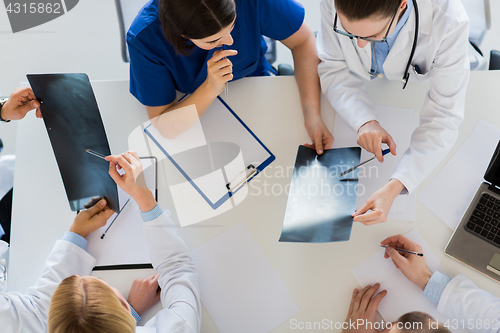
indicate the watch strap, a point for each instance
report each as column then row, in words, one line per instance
column 2, row 102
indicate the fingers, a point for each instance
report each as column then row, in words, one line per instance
column 375, row 301
column 366, row 206
column 392, row 145
column 308, row 145
column 102, row 217
column 224, row 63
column 39, row 113
column 134, row 154
column 25, row 93
column 97, row 207
column 377, row 146
column 370, row 218
column 359, row 297
column 318, row 142
column 123, row 161
column 328, row 141
column 221, row 54
column 367, row 297
column 115, row 175
column 25, row 108
column 398, row 259
column 401, row 241
column 351, row 306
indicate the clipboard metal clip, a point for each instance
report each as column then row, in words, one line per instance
column 240, row 184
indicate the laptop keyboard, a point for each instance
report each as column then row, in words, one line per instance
column 485, row 219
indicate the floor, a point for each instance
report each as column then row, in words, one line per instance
column 87, row 39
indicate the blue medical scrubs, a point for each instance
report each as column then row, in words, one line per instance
column 156, row 71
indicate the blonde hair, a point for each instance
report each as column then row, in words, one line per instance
column 87, row 306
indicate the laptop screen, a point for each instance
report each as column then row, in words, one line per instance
column 492, row 174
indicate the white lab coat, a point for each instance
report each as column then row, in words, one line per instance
column 28, row 313
column 178, row 279
column 463, row 300
column 441, row 54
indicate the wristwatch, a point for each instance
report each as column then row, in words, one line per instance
column 2, row 102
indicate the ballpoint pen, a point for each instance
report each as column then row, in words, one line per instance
column 384, row 152
column 121, row 210
column 96, row 154
column 405, row 251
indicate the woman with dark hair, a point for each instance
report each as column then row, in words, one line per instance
column 181, row 45
column 412, row 40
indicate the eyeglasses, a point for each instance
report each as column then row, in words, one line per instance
column 345, row 33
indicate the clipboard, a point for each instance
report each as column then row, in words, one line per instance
column 124, row 247
column 217, row 155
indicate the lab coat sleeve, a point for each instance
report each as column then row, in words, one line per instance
column 344, row 89
column 443, row 109
column 28, row 313
column 463, row 300
column 178, row 278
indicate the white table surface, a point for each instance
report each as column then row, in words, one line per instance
column 317, row 275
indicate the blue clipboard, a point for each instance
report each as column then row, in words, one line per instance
column 217, row 155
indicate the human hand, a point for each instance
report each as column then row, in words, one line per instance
column 364, row 307
column 320, row 135
column 371, row 136
column 144, row 293
column 132, row 181
column 20, row 102
column 220, row 70
column 377, row 207
column 91, row 219
column 412, row 266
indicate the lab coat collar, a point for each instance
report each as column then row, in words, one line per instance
column 403, row 44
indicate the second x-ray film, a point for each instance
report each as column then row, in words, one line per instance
column 320, row 203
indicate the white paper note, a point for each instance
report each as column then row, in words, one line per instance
column 402, row 296
column 399, row 123
column 125, row 242
column 239, row 287
column 461, row 176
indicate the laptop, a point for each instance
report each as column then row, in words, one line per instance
column 476, row 240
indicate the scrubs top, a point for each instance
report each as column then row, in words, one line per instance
column 156, row 71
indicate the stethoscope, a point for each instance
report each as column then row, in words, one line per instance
column 406, row 75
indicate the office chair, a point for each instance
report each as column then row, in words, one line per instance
column 480, row 21
column 494, row 60
column 128, row 9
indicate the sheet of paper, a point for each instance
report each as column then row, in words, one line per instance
column 320, row 203
column 239, row 287
column 399, row 123
column 125, row 242
column 402, row 296
column 461, row 176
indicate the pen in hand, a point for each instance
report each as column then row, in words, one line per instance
column 384, row 152
column 405, row 251
column 96, row 154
